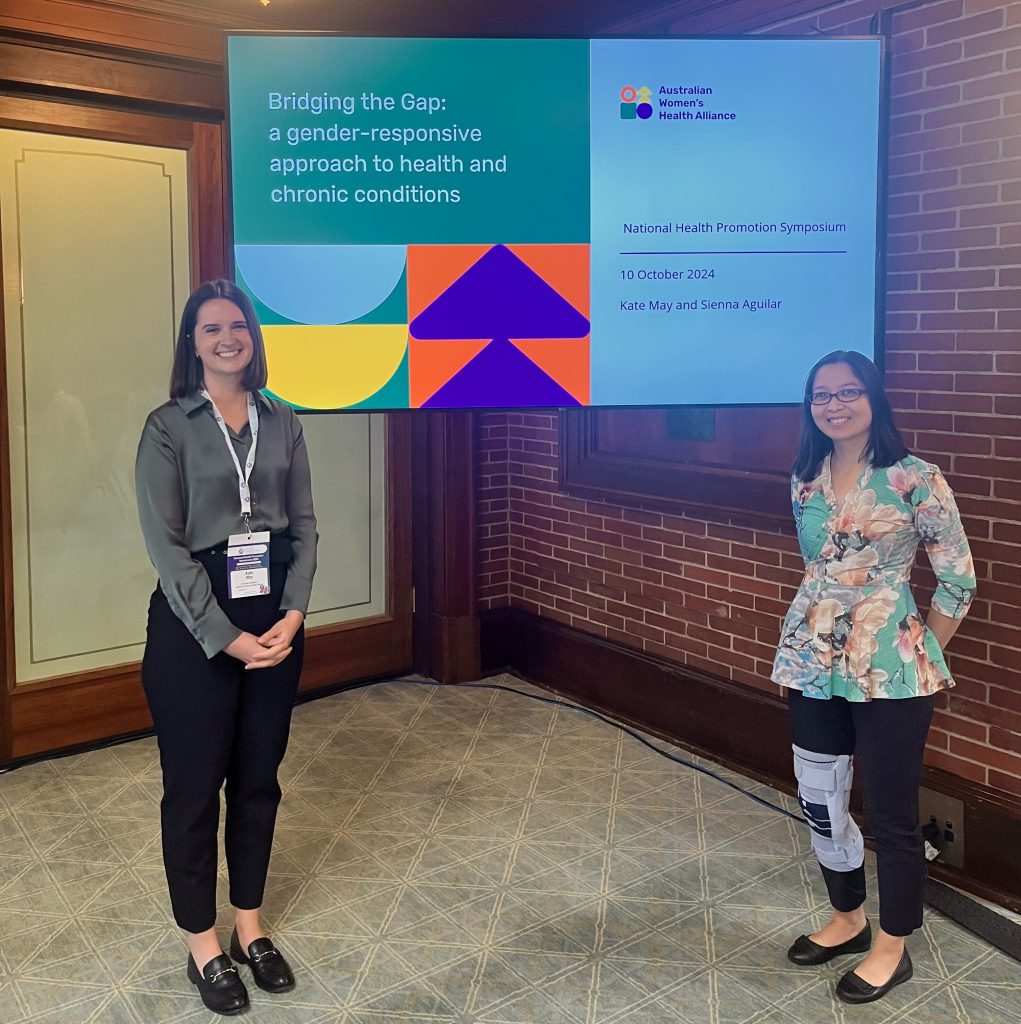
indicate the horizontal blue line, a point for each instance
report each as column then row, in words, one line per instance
column 738, row 252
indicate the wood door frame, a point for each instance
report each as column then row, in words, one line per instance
column 105, row 703
column 101, row 702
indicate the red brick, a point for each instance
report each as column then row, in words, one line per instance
column 956, row 361
column 992, row 758
column 999, row 299
column 998, row 85
column 928, row 140
column 919, row 60
column 955, row 443
column 958, row 279
column 928, row 14
column 959, row 238
column 976, row 731
column 964, row 114
column 1007, row 783
column 918, row 261
column 1008, row 362
column 1007, row 405
column 963, row 28
column 993, row 42
column 1008, row 319
column 954, row 198
column 1001, row 213
column 1001, row 170
column 981, row 341
column 961, row 156
column 1009, row 448
column 998, row 128
column 914, row 222
column 955, row 402
column 921, row 301
column 928, row 99
column 964, row 70
column 907, row 164
column 955, row 765
column 1000, row 256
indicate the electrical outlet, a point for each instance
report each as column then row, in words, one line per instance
column 948, row 814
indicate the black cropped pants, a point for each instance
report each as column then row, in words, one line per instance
column 887, row 739
column 215, row 723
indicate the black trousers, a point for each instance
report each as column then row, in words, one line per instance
column 217, row 722
column 887, row 738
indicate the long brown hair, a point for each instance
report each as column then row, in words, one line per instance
column 186, row 375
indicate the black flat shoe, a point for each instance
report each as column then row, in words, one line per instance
column 220, row 985
column 271, row 971
column 807, row 953
column 853, row 989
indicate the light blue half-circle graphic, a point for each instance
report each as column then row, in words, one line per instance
column 321, row 284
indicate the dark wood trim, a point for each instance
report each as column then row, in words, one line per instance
column 147, row 26
column 192, row 89
column 736, row 726
column 6, row 547
column 90, row 709
column 673, row 487
column 41, row 115
column 447, row 634
column 207, row 204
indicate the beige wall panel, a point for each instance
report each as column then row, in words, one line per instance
column 96, row 271
column 347, row 454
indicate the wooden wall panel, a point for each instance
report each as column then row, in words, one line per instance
column 151, row 28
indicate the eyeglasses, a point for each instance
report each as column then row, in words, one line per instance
column 844, row 394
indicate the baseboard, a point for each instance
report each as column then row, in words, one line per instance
column 741, row 728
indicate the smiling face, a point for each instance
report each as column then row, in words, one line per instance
column 844, row 423
column 223, row 341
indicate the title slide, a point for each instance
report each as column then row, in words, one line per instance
column 445, row 223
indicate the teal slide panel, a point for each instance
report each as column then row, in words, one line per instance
column 341, row 140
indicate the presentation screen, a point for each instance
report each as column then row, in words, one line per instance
column 512, row 223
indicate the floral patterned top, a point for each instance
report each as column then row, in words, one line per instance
column 853, row 629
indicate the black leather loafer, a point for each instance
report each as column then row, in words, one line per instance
column 271, row 971
column 807, row 953
column 220, row 985
column 853, row 989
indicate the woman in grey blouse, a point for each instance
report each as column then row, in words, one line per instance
column 225, row 504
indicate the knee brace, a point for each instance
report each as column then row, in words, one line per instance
column 824, row 792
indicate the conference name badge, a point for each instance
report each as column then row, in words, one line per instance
column 248, row 564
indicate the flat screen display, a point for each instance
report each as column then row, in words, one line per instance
column 514, row 223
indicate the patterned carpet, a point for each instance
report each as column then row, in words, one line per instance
column 454, row 855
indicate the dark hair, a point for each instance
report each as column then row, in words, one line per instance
column 186, row 375
column 885, row 446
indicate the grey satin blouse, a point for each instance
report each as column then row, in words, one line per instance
column 187, row 490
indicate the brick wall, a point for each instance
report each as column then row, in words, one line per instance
column 708, row 591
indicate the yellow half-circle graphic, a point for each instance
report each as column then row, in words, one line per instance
column 332, row 366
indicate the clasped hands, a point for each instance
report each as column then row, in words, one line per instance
column 269, row 649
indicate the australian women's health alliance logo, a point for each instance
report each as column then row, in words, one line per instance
column 634, row 103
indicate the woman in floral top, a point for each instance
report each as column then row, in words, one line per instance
column 861, row 663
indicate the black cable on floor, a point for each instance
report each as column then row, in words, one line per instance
column 475, row 686
column 618, row 725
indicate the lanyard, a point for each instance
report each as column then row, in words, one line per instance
column 243, row 478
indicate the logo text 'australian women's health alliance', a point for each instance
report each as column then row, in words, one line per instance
column 670, row 103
